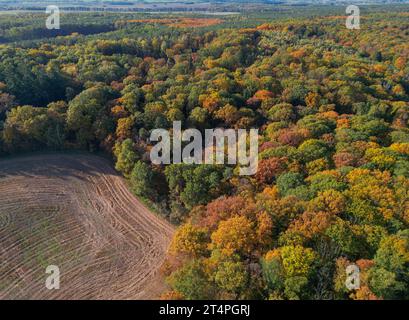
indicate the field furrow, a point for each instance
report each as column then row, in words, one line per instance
column 75, row 211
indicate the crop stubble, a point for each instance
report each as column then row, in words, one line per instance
column 75, row 211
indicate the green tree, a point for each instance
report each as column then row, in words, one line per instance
column 191, row 281
column 232, row 277
column 141, row 178
column 126, row 157
column 88, row 116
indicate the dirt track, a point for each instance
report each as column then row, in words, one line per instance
column 75, row 212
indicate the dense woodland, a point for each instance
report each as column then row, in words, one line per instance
column 332, row 109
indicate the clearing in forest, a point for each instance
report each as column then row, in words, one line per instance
column 74, row 211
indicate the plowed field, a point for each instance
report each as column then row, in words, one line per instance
column 75, row 212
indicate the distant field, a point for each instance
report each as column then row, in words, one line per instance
column 181, row 22
column 75, row 212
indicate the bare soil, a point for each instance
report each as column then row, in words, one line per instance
column 75, row 211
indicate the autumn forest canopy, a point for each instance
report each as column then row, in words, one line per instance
column 331, row 106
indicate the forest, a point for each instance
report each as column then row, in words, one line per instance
column 331, row 106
